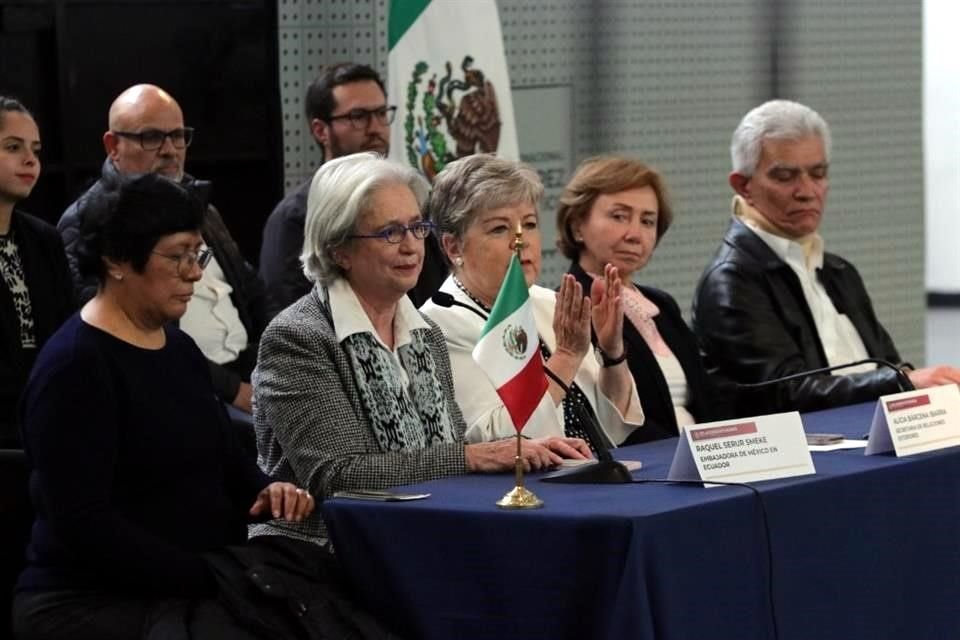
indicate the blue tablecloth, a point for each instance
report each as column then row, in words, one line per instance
column 869, row 547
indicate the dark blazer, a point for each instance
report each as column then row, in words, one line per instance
column 248, row 296
column 51, row 300
column 753, row 323
column 703, row 401
column 280, row 250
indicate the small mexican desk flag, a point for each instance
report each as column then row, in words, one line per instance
column 447, row 74
column 509, row 348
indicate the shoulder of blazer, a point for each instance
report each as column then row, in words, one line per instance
column 30, row 226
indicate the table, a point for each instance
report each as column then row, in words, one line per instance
column 869, row 547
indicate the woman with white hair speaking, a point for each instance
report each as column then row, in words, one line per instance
column 353, row 385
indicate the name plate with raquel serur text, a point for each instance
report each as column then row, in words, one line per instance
column 916, row 421
column 743, row 450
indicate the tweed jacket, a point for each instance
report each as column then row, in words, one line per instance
column 753, row 323
column 311, row 426
column 482, row 407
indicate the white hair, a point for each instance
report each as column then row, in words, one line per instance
column 339, row 196
column 777, row 119
column 477, row 183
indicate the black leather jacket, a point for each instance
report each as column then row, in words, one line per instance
column 248, row 296
column 753, row 323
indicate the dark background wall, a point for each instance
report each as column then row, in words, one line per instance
column 68, row 59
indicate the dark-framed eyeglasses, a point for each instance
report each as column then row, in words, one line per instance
column 360, row 118
column 395, row 233
column 152, row 139
column 187, row 260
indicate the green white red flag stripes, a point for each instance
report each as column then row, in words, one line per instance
column 447, row 74
column 509, row 348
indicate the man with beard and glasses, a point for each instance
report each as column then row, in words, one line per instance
column 227, row 313
column 346, row 108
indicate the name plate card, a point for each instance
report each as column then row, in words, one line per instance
column 916, row 421
column 743, row 450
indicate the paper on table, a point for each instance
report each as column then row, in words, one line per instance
column 631, row 465
column 845, row 444
column 379, row 496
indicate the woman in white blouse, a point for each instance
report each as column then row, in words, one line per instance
column 477, row 203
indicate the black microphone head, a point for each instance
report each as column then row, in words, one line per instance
column 442, row 299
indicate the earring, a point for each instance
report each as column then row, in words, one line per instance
column 458, row 262
column 117, row 276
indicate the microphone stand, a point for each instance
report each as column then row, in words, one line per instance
column 605, row 470
column 902, row 380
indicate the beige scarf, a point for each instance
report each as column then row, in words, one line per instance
column 750, row 216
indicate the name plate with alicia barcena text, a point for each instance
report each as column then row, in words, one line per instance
column 916, row 421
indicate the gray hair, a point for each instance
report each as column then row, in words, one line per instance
column 476, row 183
column 778, row 119
column 340, row 195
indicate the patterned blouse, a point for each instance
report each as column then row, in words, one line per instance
column 11, row 268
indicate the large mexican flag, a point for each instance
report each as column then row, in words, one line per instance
column 448, row 77
column 509, row 348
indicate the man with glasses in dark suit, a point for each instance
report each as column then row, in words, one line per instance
column 227, row 313
column 347, row 112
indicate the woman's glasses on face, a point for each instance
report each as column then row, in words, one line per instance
column 187, row 260
column 395, row 233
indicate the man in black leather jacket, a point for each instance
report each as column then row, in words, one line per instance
column 147, row 134
column 772, row 302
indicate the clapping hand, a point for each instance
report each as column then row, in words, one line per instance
column 571, row 319
column 607, row 311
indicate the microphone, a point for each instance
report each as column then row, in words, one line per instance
column 444, row 299
column 903, row 381
column 605, row 470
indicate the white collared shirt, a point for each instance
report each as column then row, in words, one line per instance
column 840, row 339
column 350, row 318
column 212, row 320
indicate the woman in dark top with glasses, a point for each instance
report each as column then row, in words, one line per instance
column 135, row 472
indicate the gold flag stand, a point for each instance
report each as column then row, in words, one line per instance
column 519, row 497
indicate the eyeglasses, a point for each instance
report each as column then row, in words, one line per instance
column 395, row 233
column 152, row 139
column 360, row 118
column 188, row 259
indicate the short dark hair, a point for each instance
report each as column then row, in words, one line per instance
column 8, row 104
column 319, row 102
column 124, row 220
